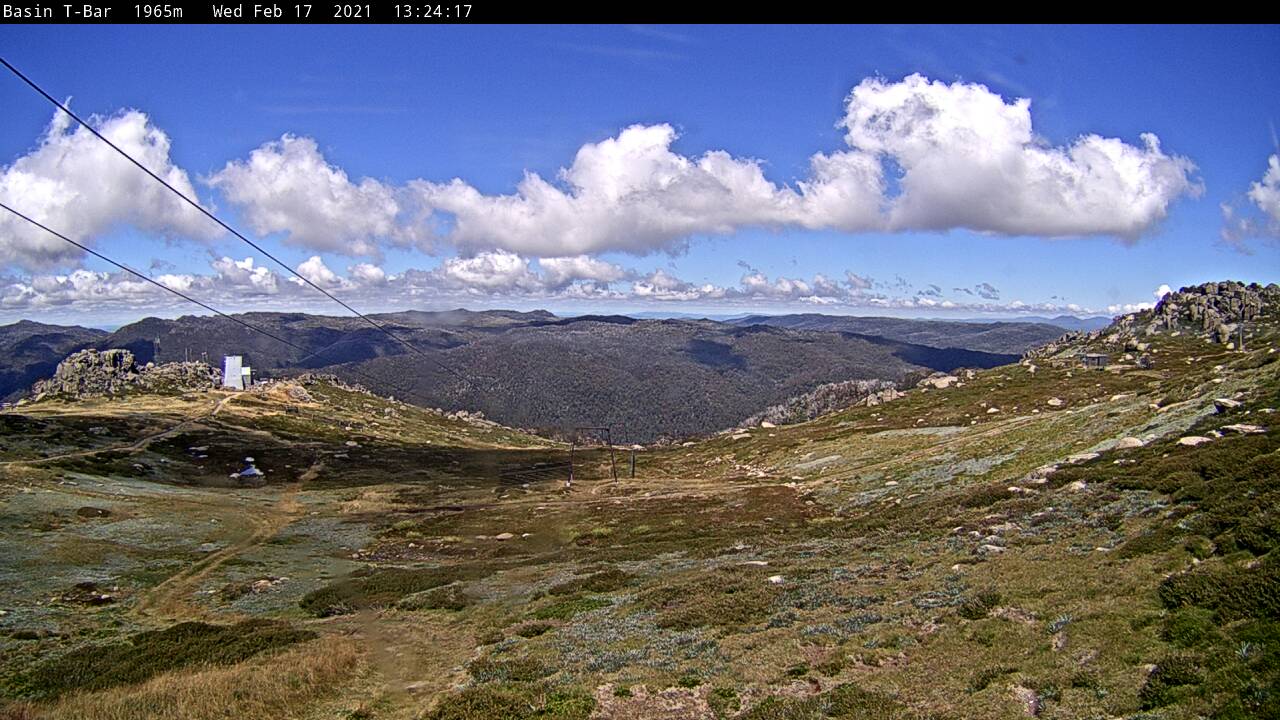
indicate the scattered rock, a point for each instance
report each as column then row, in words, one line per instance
column 1243, row 429
column 1054, row 402
column 1125, row 443
column 1222, row 405
column 938, row 382
column 1193, row 440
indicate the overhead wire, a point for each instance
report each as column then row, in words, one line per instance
column 62, row 107
column 188, row 298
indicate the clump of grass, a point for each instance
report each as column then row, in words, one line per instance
column 723, row 701
column 147, row 654
column 1171, row 673
column 566, row 609
column 1086, row 680
column 985, row 495
column 1234, row 593
column 1189, row 627
column 729, row 597
column 603, row 581
column 534, row 629
column 979, row 605
column 380, row 588
column 513, row 701
column 449, row 597
column 843, row 701
column 983, row 678
column 1158, row 539
column 278, row 685
column 798, row 671
column 833, row 665
column 492, row 637
column 487, row 670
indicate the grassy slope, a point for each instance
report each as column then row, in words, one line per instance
column 906, row 560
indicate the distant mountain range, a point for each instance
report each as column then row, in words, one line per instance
column 995, row 337
column 647, row 378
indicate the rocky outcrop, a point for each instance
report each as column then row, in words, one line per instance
column 825, row 399
column 94, row 373
column 1212, row 311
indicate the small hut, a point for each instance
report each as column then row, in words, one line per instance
column 1094, row 361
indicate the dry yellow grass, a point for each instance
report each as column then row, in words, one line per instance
column 282, row 685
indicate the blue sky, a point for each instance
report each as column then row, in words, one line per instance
column 413, row 108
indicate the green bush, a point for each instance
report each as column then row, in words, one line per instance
column 1158, row 539
column 1189, row 627
column 723, row 701
column 566, row 609
column 843, row 701
column 598, row 582
column 514, row 670
column 379, row 588
column 1171, row 672
column 148, row 654
column 729, row 597
column 977, row 606
column 534, row 629
column 983, row 678
column 513, row 701
column 986, row 495
column 1235, row 593
column 449, row 597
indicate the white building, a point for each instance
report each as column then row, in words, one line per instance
column 234, row 375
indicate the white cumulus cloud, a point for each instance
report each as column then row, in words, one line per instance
column 1266, row 193
column 630, row 193
column 970, row 159
column 314, row 269
column 367, row 274
column 287, row 186
column 73, row 183
column 244, row 275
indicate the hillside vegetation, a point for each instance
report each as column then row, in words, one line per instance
column 1030, row 540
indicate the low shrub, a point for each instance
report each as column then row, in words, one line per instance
column 449, row 597
column 598, row 582
column 1170, row 673
column 566, row 609
column 147, row 654
column 730, row 597
column 380, row 588
column 979, row 605
column 513, row 701
column 513, row 670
